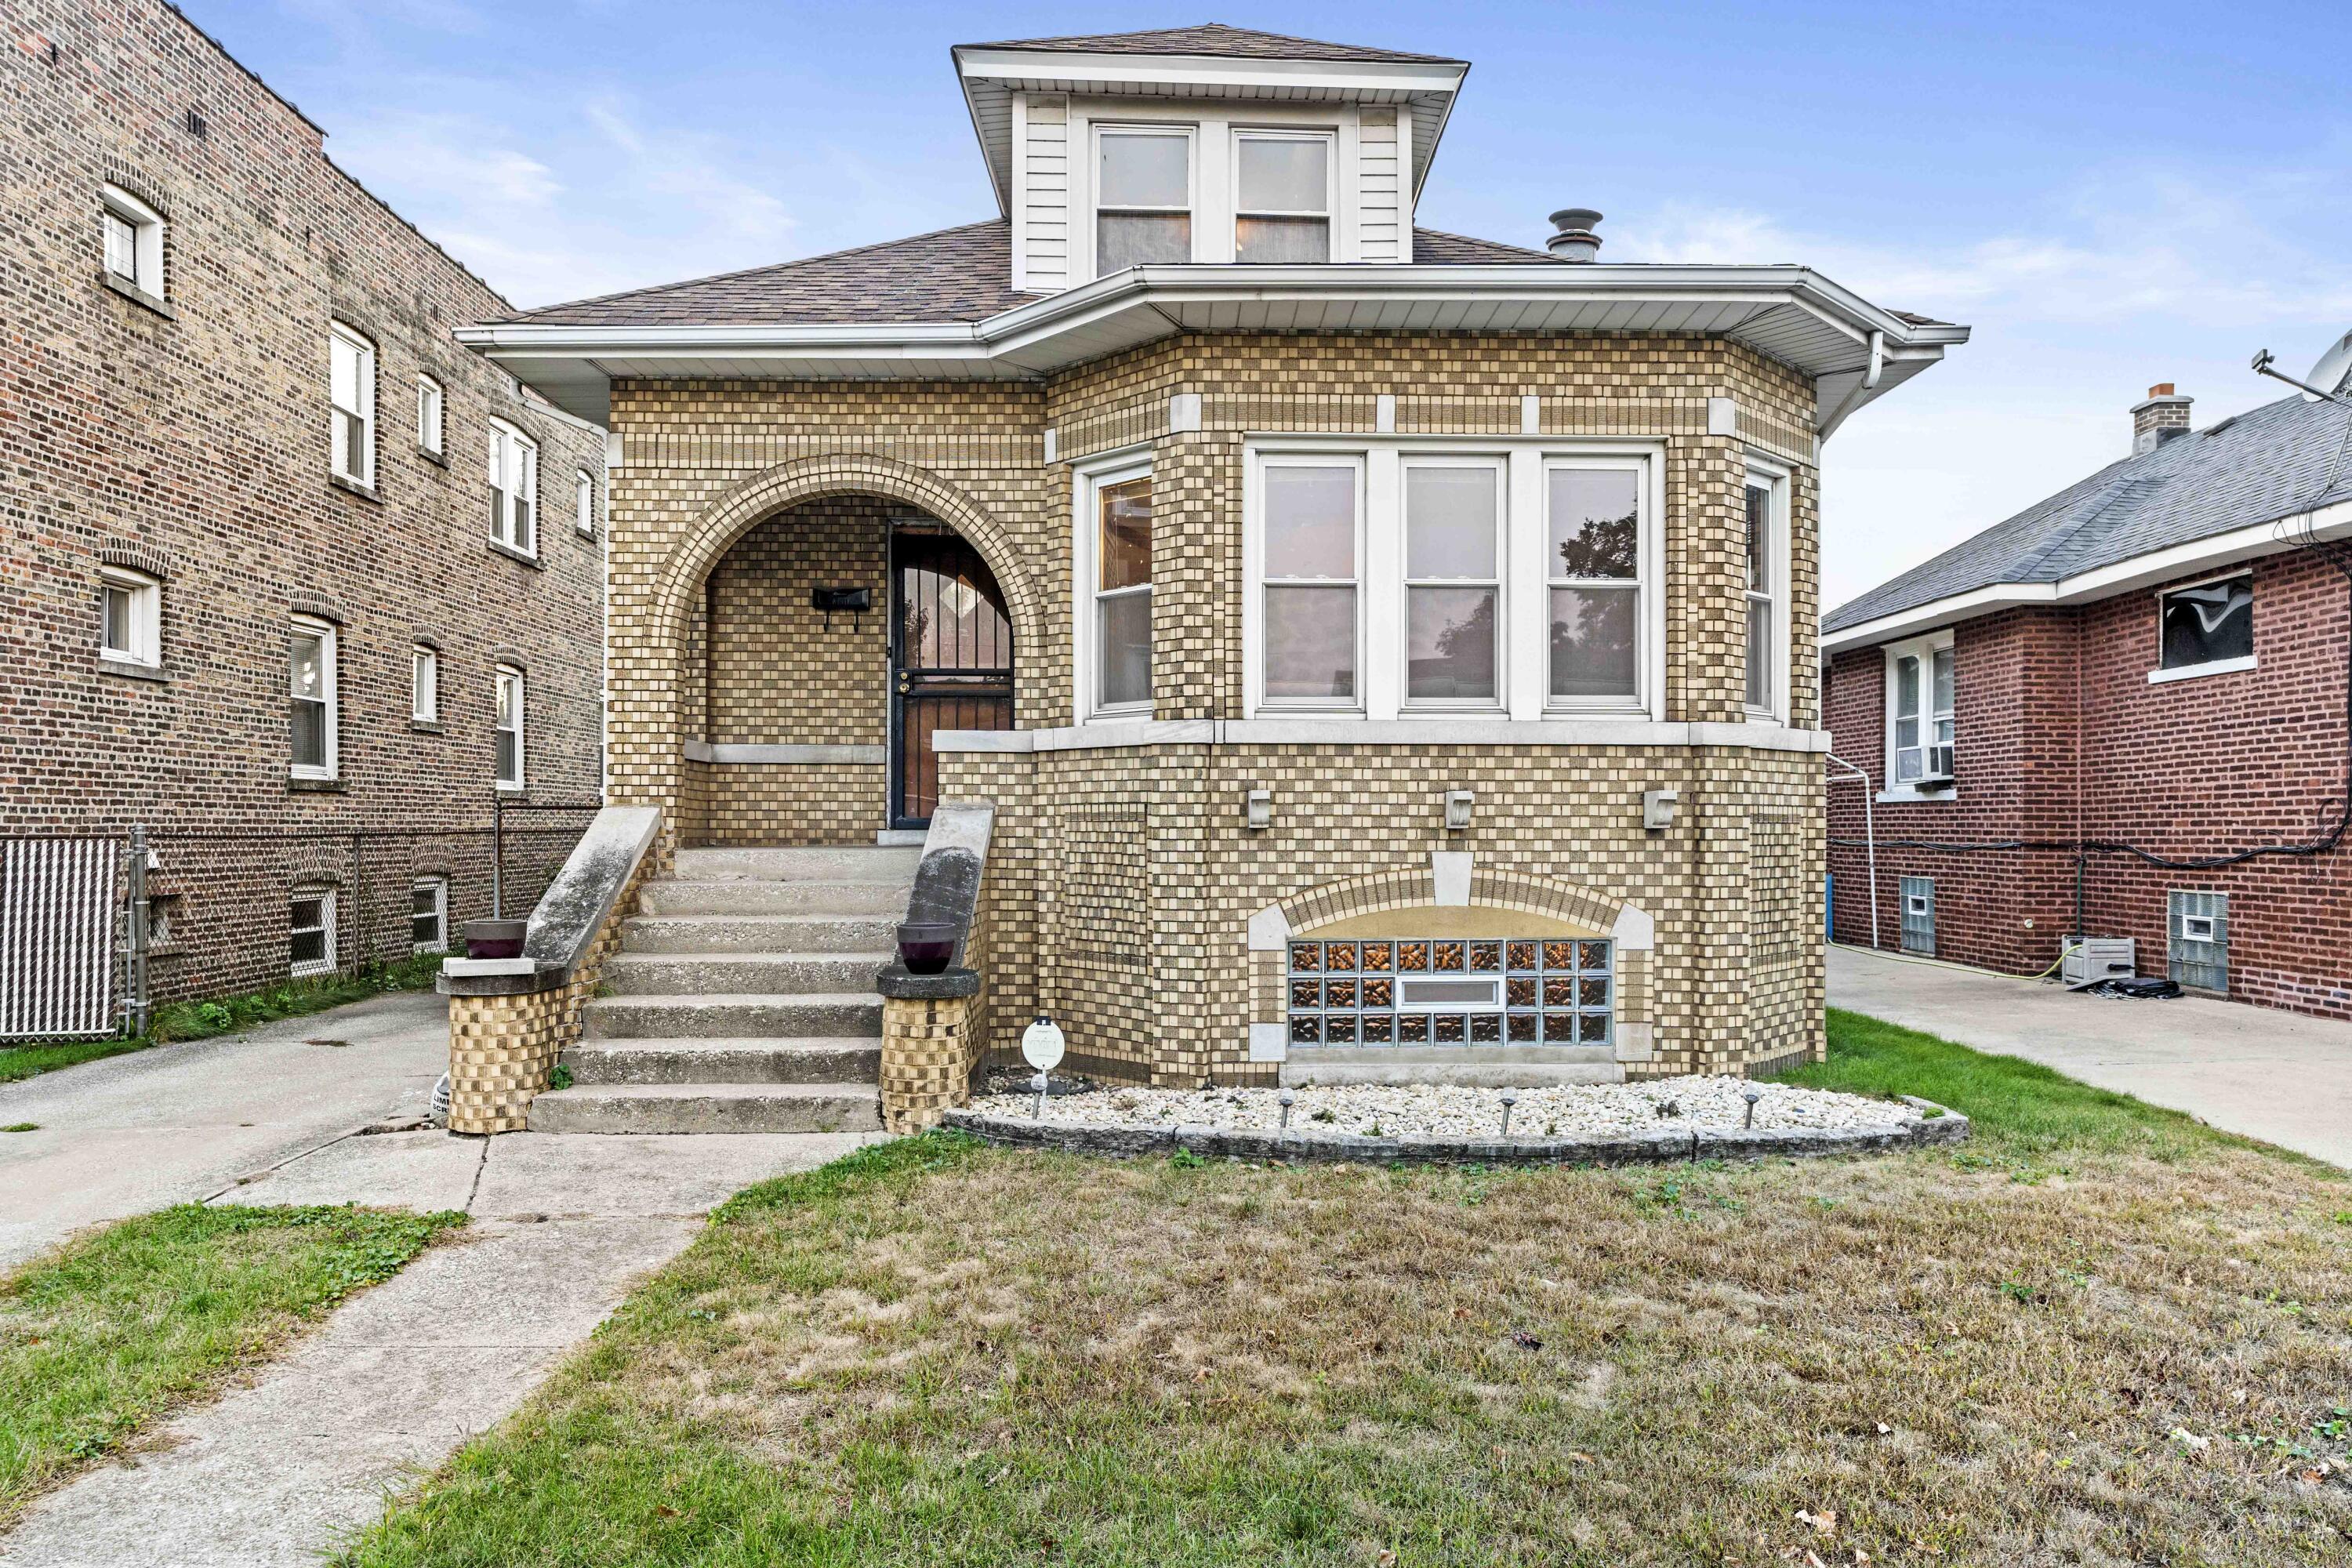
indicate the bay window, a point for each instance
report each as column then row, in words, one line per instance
column 1117, row 564
column 514, row 488
column 1766, row 507
column 1595, row 558
column 1453, row 581
column 350, row 384
column 1143, row 196
column 1312, row 608
column 1920, row 733
column 1282, row 195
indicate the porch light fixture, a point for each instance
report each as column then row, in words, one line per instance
column 1457, row 810
column 1257, row 810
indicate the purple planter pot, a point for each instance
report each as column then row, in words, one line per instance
column 495, row 939
column 925, row 946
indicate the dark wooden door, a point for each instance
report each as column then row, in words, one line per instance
column 950, row 659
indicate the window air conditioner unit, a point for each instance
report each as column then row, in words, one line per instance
column 2090, row 960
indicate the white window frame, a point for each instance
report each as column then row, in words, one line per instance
column 1923, row 648
column 362, row 472
column 2164, row 672
column 424, row 684
column 1773, row 478
column 584, row 502
column 1500, row 583
column 329, row 658
column 1525, row 610
column 144, row 619
column 1331, row 210
column 325, row 964
column 504, row 674
column 432, row 412
column 146, row 226
column 514, row 474
column 1092, row 481
column 1095, row 132
column 1254, row 546
column 439, row 888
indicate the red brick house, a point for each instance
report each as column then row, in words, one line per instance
column 2129, row 700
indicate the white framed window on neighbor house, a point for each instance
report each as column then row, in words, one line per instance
column 1114, row 582
column 1453, row 557
column 1920, row 733
column 583, row 502
column 510, row 727
column 310, row 932
column 430, row 400
column 2206, row 628
column 351, row 385
column 1143, row 189
column 425, row 684
column 1284, row 190
column 130, row 617
column 1309, row 558
column 428, row 915
column 514, row 489
column 312, row 698
column 1765, row 502
column 133, row 239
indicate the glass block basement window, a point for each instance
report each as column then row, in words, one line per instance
column 1477, row 991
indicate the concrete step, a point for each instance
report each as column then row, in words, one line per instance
column 1476, row 1067
column 722, row 897
column 730, row 973
column 759, row 933
column 708, row 1108
column 833, row 1014
column 824, row 863
column 725, row 1059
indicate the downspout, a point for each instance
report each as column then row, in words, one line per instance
column 1871, row 374
column 1869, row 838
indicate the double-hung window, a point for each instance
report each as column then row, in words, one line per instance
column 429, row 400
column 1453, row 581
column 1594, row 553
column 514, row 488
column 1764, row 496
column 509, row 726
column 131, row 617
column 1282, row 195
column 428, row 915
column 1143, row 196
column 1312, row 618
column 2207, row 629
column 311, row 698
column 351, row 383
column 424, row 684
column 1119, row 592
column 134, row 240
column 1919, row 719
column 310, row 932
column 583, row 502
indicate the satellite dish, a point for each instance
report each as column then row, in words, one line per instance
column 2333, row 371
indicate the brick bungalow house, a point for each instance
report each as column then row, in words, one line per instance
column 279, row 560
column 1383, row 652
column 2152, row 662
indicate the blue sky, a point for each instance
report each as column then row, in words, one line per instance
column 2110, row 193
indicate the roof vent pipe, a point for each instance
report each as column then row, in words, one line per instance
column 1572, row 237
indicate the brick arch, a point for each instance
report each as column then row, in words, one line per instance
column 751, row 501
column 1398, row 887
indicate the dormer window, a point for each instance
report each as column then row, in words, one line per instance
column 1143, row 196
column 1282, row 184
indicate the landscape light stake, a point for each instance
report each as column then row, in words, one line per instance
column 1510, row 1098
column 1041, row 1097
column 1751, row 1094
column 1288, row 1100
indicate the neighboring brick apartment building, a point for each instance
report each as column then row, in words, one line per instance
column 273, row 548
column 2153, row 659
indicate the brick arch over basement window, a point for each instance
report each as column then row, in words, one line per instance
column 1417, row 887
column 752, row 501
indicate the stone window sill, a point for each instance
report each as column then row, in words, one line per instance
column 138, row 296
column 438, row 459
column 353, row 487
column 2199, row 671
column 315, row 786
column 131, row 669
column 427, row 726
column 511, row 553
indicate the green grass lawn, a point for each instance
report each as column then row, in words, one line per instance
column 102, row 1336
column 176, row 1021
column 2100, row 1334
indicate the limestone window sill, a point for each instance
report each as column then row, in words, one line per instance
column 131, row 669
column 353, row 487
column 511, row 553
column 138, row 296
column 315, row 786
column 428, row 455
column 427, row 727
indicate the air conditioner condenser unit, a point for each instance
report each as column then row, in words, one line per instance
column 2090, row 960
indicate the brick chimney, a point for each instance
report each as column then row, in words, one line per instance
column 2164, row 415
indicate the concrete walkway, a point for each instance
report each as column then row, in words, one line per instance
column 2281, row 1077
column 277, row 1472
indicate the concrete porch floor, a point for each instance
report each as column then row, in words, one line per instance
column 2280, row 1077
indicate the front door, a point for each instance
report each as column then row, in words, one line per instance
column 950, row 659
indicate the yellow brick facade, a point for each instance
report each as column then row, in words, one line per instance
column 1121, row 880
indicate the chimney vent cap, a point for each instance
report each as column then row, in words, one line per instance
column 1572, row 238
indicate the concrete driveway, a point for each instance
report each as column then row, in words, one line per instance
column 2280, row 1077
column 181, row 1123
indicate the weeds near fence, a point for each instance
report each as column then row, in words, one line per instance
column 176, row 1021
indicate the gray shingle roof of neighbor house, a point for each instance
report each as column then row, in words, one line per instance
column 2274, row 461
column 1215, row 39
column 951, row 275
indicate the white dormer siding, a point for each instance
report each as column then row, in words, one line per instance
column 1056, row 161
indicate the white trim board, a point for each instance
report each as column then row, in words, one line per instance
column 1434, row 733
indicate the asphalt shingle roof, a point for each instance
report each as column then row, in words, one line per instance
column 1218, row 39
column 2270, row 462
column 954, row 275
